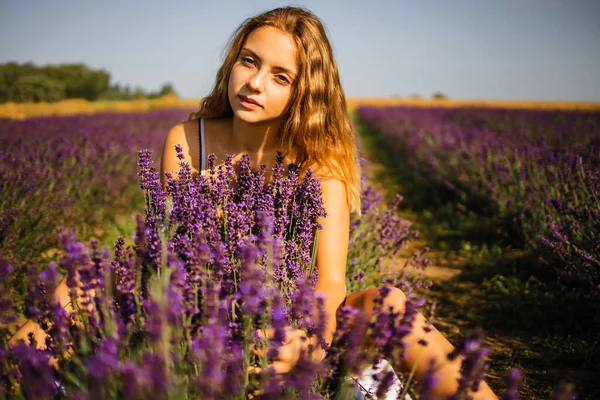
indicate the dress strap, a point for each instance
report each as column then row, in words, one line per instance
column 202, row 153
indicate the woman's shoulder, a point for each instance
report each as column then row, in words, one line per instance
column 190, row 129
column 184, row 134
column 326, row 169
column 187, row 135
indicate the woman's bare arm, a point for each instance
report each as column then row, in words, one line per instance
column 332, row 250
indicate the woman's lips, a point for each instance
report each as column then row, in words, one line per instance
column 250, row 103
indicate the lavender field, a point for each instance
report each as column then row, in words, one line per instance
column 80, row 198
column 516, row 195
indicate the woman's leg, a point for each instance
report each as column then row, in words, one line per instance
column 438, row 346
column 61, row 295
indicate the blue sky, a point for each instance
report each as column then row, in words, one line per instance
column 467, row 49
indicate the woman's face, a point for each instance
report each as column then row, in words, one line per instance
column 263, row 72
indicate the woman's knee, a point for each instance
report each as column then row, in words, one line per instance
column 387, row 297
column 396, row 300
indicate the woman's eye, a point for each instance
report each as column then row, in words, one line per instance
column 282, row 78
column 247, row 60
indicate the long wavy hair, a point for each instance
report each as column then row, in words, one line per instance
column 316, row 125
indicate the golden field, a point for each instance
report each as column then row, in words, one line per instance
column 79, row 106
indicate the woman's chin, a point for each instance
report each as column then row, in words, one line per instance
column 250, row 116
column 244, row 117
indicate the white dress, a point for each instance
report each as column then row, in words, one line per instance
column 370, row 386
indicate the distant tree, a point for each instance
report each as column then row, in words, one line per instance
column 114, row 92
column 98, row 81
column 9, row 74
column 37, row 88
column 82, row 82
column 138, row 93
column 53, row 82
column 165, row 89
column 439, row 95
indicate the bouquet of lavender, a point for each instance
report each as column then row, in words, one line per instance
column 216, row 259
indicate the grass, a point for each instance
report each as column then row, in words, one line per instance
column 479, row 281
column 81, row 106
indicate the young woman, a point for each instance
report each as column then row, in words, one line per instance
column 279, row 90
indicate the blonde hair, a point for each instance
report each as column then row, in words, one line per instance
column 316, row 125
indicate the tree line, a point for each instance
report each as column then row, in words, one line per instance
column 30, row 83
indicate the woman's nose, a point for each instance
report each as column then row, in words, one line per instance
column 256, row 81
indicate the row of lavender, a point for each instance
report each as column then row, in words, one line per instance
column 69, row 171
column 536, row 172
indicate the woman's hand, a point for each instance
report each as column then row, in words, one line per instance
column 295, row 346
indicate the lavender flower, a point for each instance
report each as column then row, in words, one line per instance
column 37, row 375
column 429, row 381
column 512, row 385
column 473, row 366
